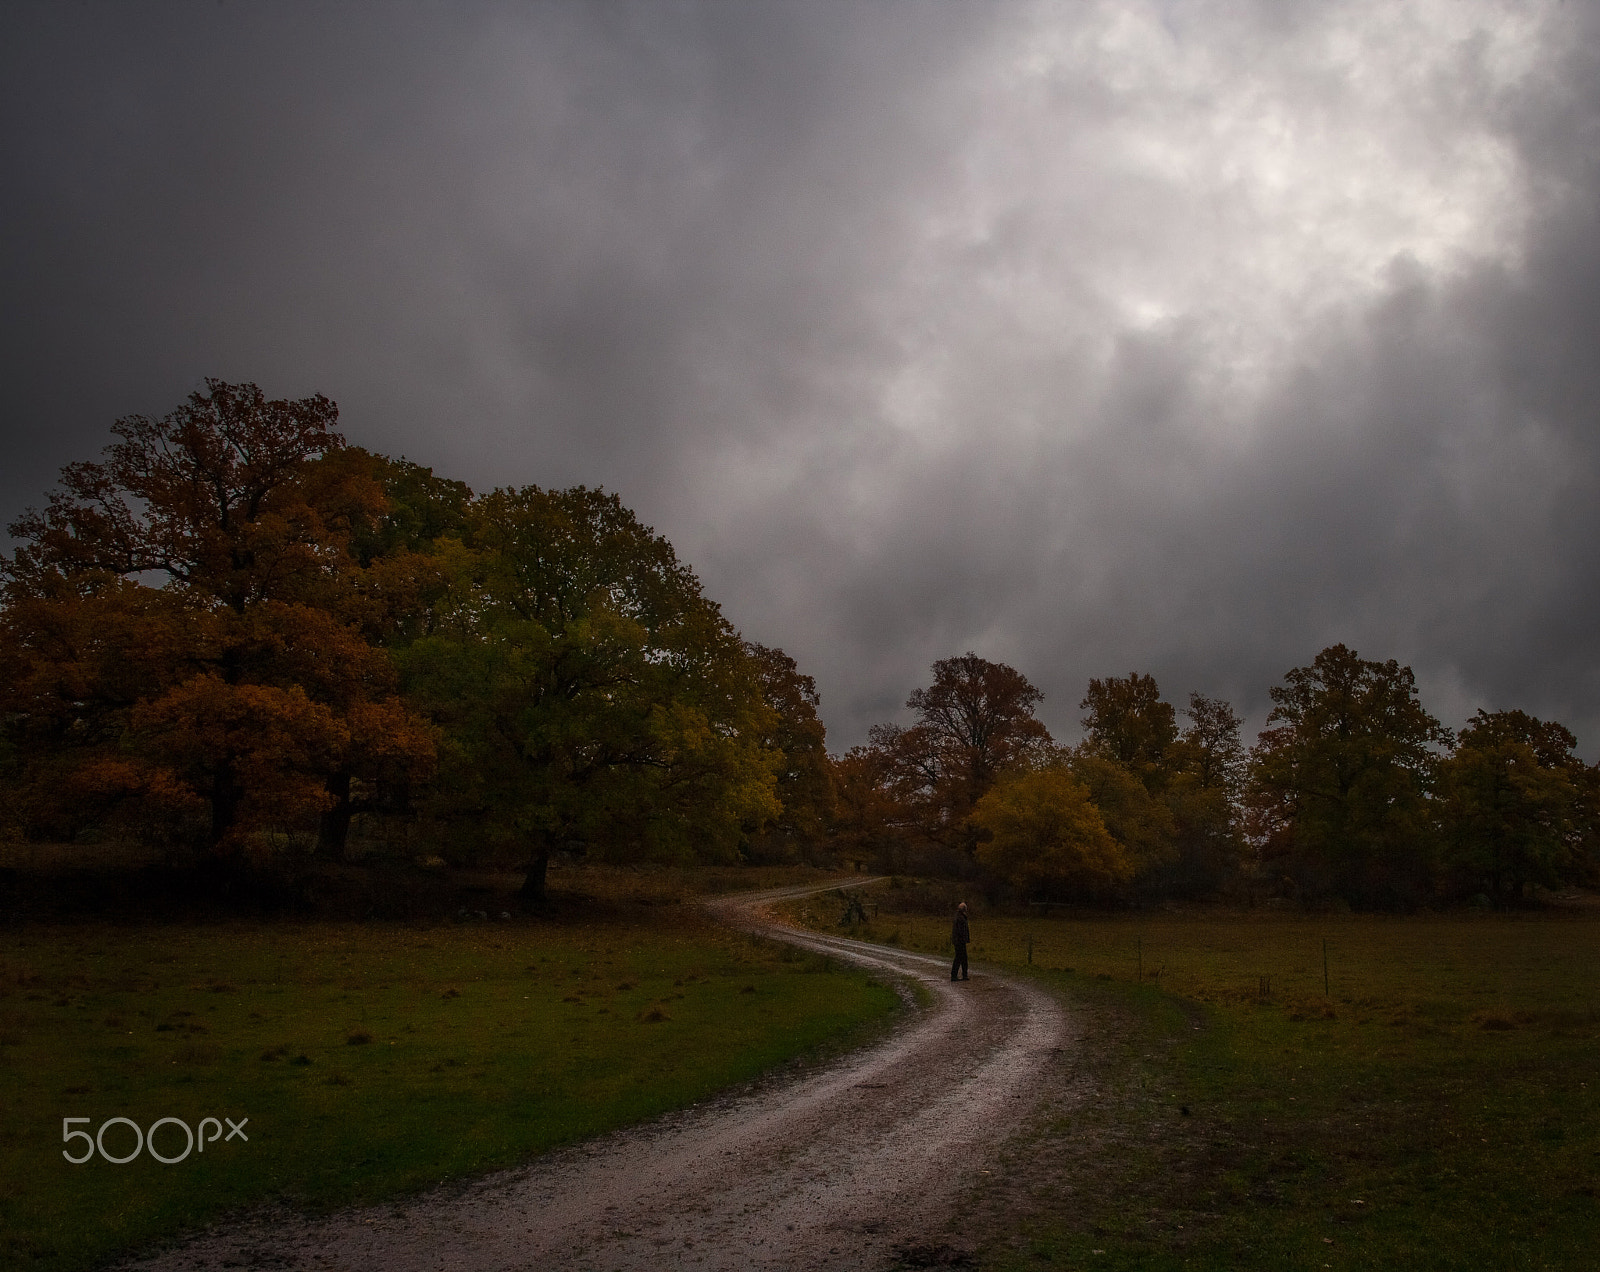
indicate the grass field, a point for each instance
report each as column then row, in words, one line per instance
column 1437, row 1107
column 369, row 1059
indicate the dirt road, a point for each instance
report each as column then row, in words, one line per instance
column 839, row 1170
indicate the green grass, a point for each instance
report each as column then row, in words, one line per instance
column 1437, row 1108
column 370, row 1059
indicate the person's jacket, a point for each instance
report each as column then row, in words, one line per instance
column 959, row 935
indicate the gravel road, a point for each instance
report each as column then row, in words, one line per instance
column 846, row 1168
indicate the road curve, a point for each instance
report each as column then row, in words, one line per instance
column 837, row 1169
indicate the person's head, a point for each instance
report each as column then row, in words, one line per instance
column 962, row 907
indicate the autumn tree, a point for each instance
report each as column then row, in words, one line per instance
column 906, row 762
column 980, row 718
column 1183, row 829
column 409, row 557
column 870, row 821
column 1044, row 834
column 1516, row 806
column 238, row 687
column 75, row 668
column 594, row 699
column 1340, row 780
column 973, row 721
column 421, row 510
column 1141, row 822
column 804, row 788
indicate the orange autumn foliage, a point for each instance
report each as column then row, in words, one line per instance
column 247, row 684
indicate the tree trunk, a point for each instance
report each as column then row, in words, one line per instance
column 333, row 832
column 533, row 885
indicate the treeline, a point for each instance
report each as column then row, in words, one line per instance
column 238, row 635
column 1353, row 794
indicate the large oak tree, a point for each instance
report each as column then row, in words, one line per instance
column 593, row 699
column 183, row 627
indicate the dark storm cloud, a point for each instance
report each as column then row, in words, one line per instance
column 1185, row 338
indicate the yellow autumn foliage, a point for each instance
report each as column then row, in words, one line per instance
column 1046, row 836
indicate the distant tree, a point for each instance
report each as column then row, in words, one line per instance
column 980, row 716
column 1204, row 776
column 975, row 719
column 1045, row 835
column 244, row 683
column 1184, row 831
column 1339, row 783
column 1127, row 721
column 1141, row 822
column 593, row 699
column 1214, row 753
column 870, row 822
column 805, row 781
column 1515, row 808
column 911, row 777
column 912, row 787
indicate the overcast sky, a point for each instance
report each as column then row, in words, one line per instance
column 1186, row 338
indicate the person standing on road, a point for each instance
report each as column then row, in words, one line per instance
column 959, row 936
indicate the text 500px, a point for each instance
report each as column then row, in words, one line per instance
column 209, row 1131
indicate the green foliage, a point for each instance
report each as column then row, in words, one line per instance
column 1513, row 807
column 1170, row 798
column 1340, row 781
column 1209, row 750
column 1204, row 774
column 593, row 699
column 1128, row 723
column 422, row 508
